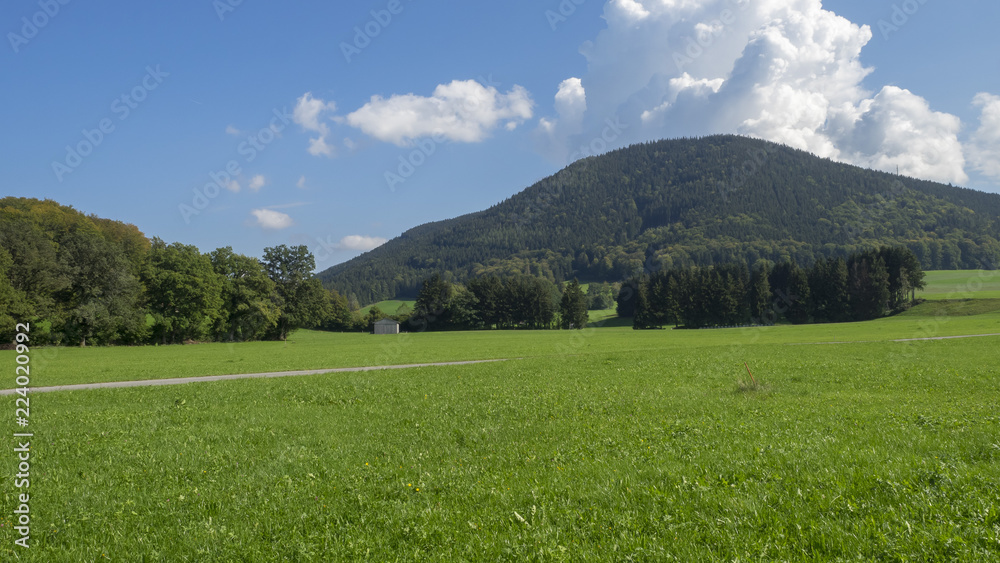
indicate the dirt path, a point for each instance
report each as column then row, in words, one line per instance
column 202, row 379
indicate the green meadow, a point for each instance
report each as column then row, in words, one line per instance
column 962, row 284
column 390, row 307
column 602, row 444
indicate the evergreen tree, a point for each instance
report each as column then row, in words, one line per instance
column 431, row 308
column 641, row 312
column 868, row 286
column 627, row 298
column 573, row 307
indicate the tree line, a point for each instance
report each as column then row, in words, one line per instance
column 86, row 280
column 867, row 285
column 494, row 303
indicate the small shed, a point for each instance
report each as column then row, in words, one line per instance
column 386, row 326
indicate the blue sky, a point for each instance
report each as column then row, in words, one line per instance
column 481, row 99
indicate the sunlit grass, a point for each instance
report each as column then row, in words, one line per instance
column 317, row 350
column 883, row 451
column 961, row 284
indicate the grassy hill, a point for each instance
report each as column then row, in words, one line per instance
column 682, row 202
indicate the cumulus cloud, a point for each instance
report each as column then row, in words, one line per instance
column 272, row 220
column 319, row 147
column 233, row 186
column 787, row 71
column 301, row 183
column 571, row 106
column 360, row 243
column 230, row 130
column 461, row 111
column 256, row 183
column 899, row 129
column 310, row 113
column 984, row 148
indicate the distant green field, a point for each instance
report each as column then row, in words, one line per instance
column 388, row 307
column 607, row 444
column 961, row 284
column 317, row 350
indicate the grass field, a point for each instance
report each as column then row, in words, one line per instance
column 316, row 350
column 389, row 307
column 961, row 284
column 603, row 444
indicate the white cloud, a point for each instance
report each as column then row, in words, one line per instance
column 319, row 147
column 309, row 114
column 571, row 99
column 233, row 186
column 301, row 183
column 462, row 111
column 360, row 243
column 272, row 220
column 788, row 71
column 230, row 130
column 898, row 128
column 256, row 183
column 984, row 147
column 571, row 106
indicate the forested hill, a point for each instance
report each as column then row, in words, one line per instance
column 686, row 202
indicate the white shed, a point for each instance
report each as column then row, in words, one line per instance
column 386, row 326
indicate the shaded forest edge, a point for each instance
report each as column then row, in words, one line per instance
column 684, row 203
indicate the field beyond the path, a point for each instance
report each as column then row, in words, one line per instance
column 603, row 444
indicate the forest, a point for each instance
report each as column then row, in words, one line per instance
column 868, row 285
column 82, row 280
column 684, row 203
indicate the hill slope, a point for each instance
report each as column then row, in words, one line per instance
column 687, row 201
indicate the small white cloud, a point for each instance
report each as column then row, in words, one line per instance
column 360, row 243
column 984, row 148
column 256, row 183
column 301, row 183
column 571, row 100
column 230, row 130
column 319, row 147
column 309, row 114
column 309, row 111
column 233, row 186
column 461, row 111
column 272, row 220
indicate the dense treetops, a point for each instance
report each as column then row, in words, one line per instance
column 680, row 203
column 866, row 286
column 85, row 280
